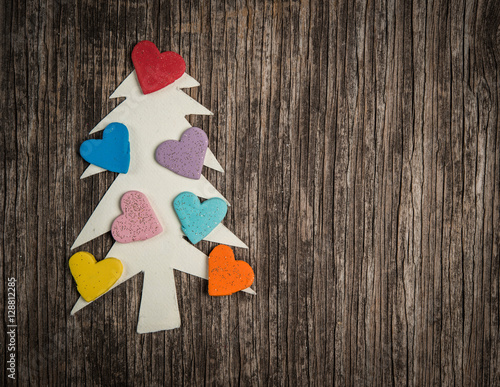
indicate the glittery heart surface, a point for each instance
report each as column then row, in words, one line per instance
column 198, row 219
column 112, row 152
column 94, row 278
column 156, row 70
column 226, row 275
column 184, row 157
column 138, row 221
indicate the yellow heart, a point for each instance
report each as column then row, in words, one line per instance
column 94, row 278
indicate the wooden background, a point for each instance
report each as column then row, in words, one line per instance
column 362, row 154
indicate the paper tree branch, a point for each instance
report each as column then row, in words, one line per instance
column 150, row 113
column 152, row 119
column 157, row 258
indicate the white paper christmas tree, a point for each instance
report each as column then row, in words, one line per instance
column 152, row 119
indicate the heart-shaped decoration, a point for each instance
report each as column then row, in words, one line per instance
column 94, row 278
column 156, row 70
column 138, row 221
column 184, row 157
column 112, row 152
column 226, row 275
column 198, row 219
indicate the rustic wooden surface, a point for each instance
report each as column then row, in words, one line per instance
column 362, row 154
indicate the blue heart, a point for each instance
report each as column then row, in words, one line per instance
column 112, row 152
column 198, row 219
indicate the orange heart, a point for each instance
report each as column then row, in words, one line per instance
column 226, row 275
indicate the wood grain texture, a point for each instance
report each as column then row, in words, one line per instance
column 361, row 146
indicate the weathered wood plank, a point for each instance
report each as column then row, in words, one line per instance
column 361, row 147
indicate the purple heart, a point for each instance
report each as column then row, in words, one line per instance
column 184, row 157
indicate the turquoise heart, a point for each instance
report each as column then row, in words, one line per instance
column 112, row 152
column 198, row 219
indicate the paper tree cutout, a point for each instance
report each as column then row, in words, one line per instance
column 152, row 119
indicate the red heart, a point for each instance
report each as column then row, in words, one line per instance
column 156, row 70
column 225, row 275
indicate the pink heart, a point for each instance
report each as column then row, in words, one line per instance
column 138, row 221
